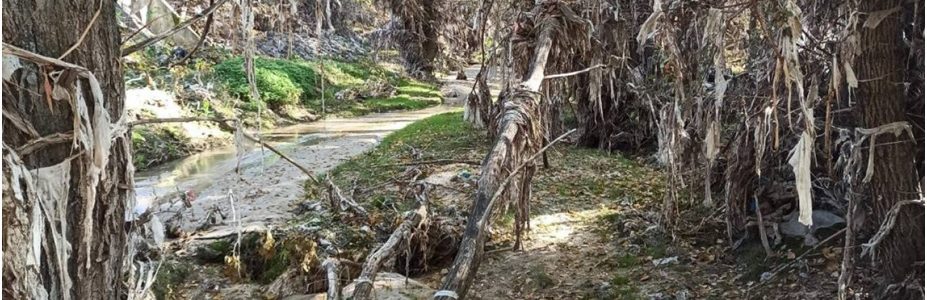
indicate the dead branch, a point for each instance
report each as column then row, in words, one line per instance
column 151, row 40
column 174, row 120
column 30, row 56
column 575, row 72
column 338, row 199
column 209, row 21
column 759, row 220
column 284, row 157
column 412, row 220
column 16, row 119
column 84, row 33
column 222, row 123
column 848, row 262
column 142, row 28
column 792, row 262
column 275, row 151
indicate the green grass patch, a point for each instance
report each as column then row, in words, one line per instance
column 157, row 144
column 622, row 288
column 283, row 82
column 627, row 260
column 583, row 172
column 443, row 136
column 171, row 275
column 410, row 95
column 279, row 81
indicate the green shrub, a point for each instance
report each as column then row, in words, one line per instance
column 280, row 82
column 277, row 88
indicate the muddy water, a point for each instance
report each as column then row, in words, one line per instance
column 262, row 188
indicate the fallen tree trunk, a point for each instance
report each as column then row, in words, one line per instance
column 372, row 265
column 518, row 132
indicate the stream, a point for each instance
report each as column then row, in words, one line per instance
column 257, row 187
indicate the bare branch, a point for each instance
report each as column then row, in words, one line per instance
column 151, row 40
column 372, row 264
column 174, row 120
column 575, row 72
column 86, row 30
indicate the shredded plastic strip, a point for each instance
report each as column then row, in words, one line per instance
column 446, row 293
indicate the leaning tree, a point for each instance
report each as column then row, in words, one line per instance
column 66, row 172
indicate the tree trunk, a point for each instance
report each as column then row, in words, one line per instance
column 519, row 134
column 881, row 67
column 418, row 43
column 476, row 110
column 64, row 204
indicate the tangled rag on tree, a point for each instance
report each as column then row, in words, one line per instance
column 800, row 159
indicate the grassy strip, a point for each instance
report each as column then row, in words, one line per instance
column 578, row 175
column 290, row 82
column 441, row 136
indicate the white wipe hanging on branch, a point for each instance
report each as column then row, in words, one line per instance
column 800, row 159
column 851, row 76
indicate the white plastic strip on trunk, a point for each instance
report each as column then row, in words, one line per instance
column 800, row 159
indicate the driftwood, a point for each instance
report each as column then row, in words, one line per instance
column 338, row 200
column 331, row 274
column 372, row 265
column 514, row 136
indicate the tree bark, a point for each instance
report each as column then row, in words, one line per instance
column 90, row 215
column 419, row 21
column 881, row 68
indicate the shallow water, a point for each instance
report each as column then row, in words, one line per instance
column 263, row 187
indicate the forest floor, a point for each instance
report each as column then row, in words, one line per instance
column 595, row 231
